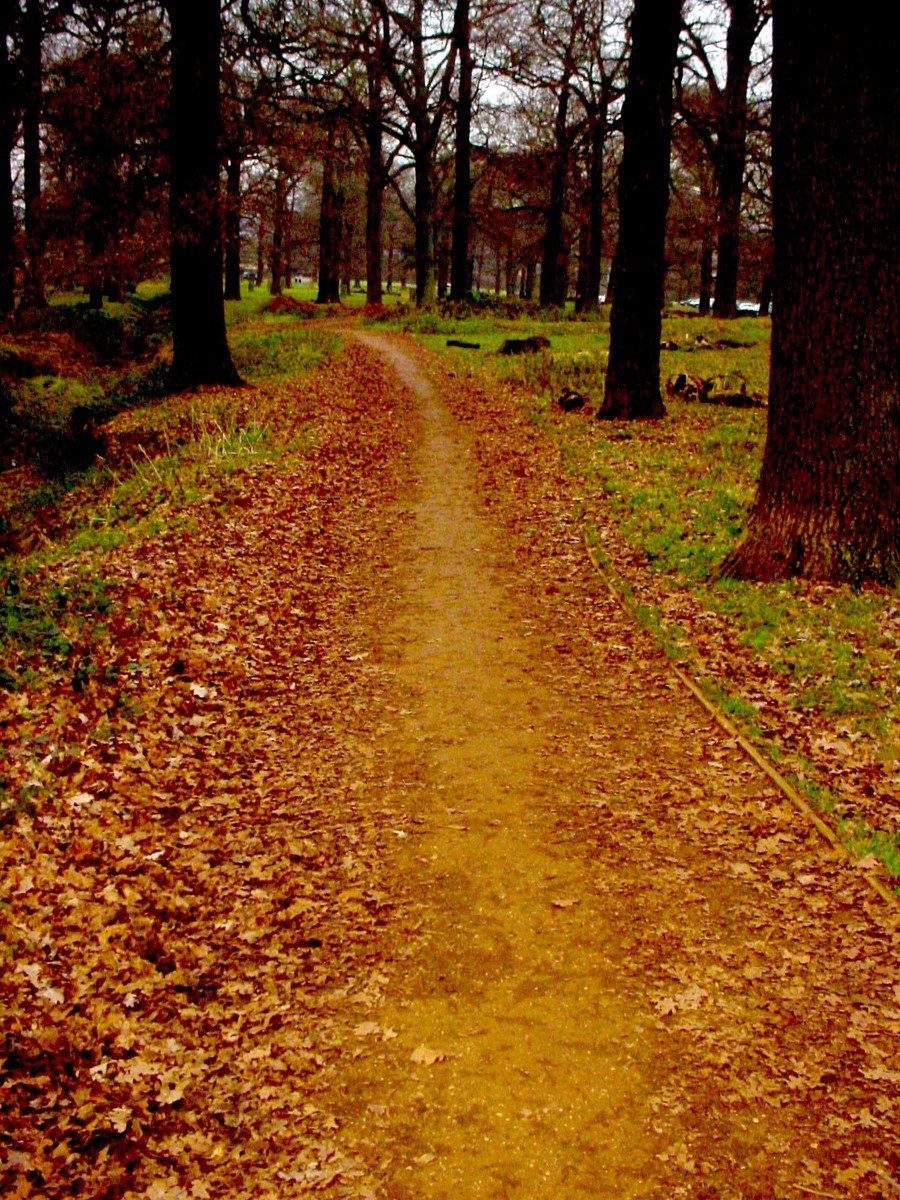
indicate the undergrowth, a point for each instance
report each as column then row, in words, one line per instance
column 158, row 457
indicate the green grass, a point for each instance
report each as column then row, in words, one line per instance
column 46, row 619
column 278, row 348
column 863, row 841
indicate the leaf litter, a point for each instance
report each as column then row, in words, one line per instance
column 200, row 904
column 193, row 890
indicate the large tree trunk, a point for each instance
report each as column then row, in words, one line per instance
column 7, row 141
column 233, row 227
column 828, row 504
column 200, row 344
column 731, row 153
column 460, row 273
column 32, row 98
column 632, row 379
column 555, row 261
column 329, row 231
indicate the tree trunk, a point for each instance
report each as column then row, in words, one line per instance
column 96, row 256
column 442, row 267
column 426, row 283
column 554, row 265
column 200, row 344
column 611, row 282
column 590, row 268
column 706, row 277
column 828, row 503
column 460, row 271
column 287, row 250
column 233, row 228
column 345, row 244
column 528, row 280
column 261, row 248
column 731, row 153
column 390, row 266
column 765, row 295
column 32, row 97
column 374, row 188
column 632, row 379
column 329, row 231
column 276, row 262
column 7, row 142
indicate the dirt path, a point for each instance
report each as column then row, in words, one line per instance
column 513, row 983
column 545, row 1019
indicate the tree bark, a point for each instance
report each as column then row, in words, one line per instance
column 279, row 207
column 528, row 274
column 590, row 270
column 329, row 231
column 200, row 343
column 460, row 272
column 731, row 152
column 426, row 281
column 261, row 247
column 423, row 161
column 32, row 102
column 706, row 277
column 7, row 142
column 632, row 379
column 828, row 503
column 233, row 227
column 374, row 185
column 765, row 295
column 555, row 261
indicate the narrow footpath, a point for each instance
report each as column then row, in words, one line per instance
column 637, row 972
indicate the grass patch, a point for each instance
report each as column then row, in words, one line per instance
column 277, row 348
column 45, row 619
column 864, row 841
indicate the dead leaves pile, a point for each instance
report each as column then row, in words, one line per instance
column 192, row 893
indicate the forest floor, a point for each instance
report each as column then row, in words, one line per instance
column 382, row 856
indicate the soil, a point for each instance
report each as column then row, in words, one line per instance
column 422, row 876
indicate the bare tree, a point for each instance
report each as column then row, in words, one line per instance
column 722, row 124
column 632, row 378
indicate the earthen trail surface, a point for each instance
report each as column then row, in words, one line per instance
column 635, row 968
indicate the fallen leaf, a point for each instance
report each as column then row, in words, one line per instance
column 426, row 1056
column 366, row 1029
